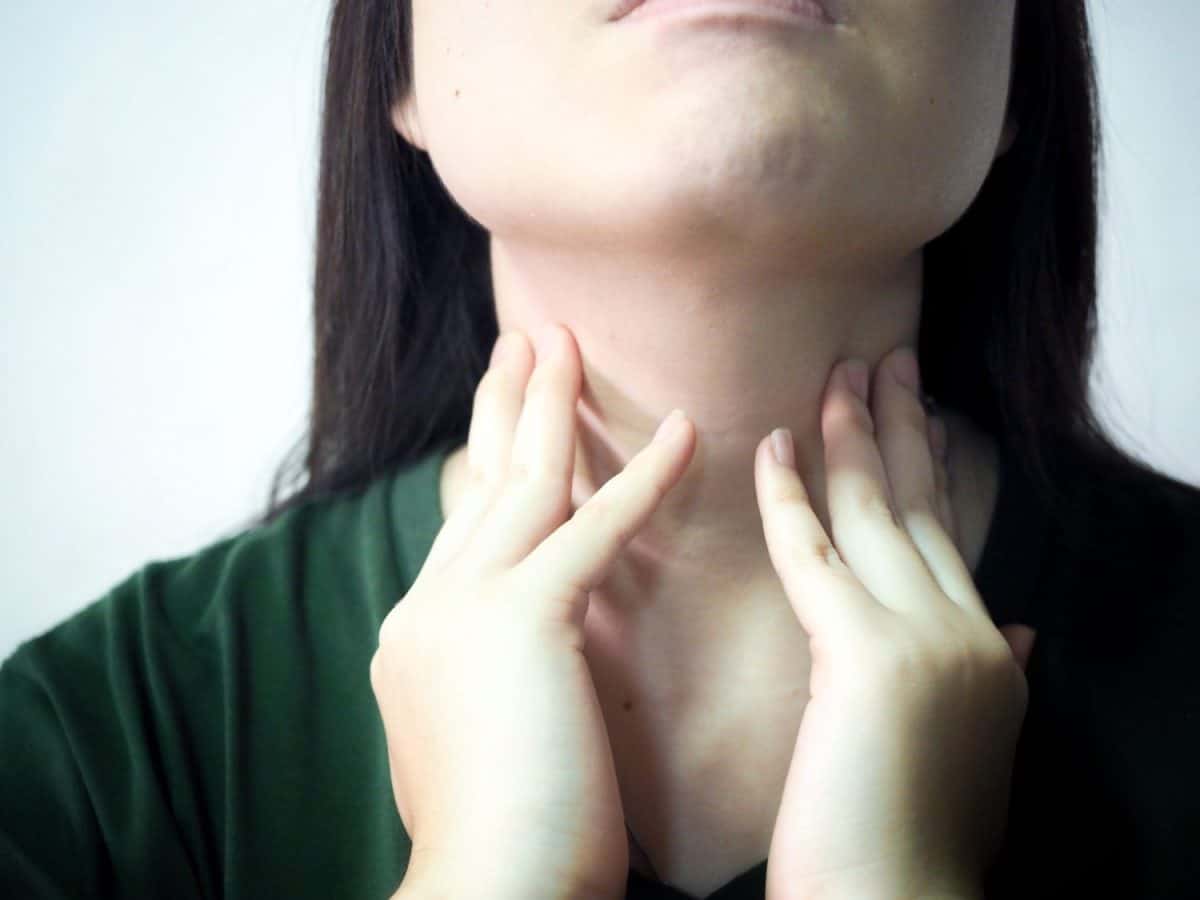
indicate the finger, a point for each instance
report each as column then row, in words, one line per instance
column 909, row 460
column 579, row 553
column 939, row 442
column 827, row 597
column 499, row 397
column 866, row 525
column 456, row 529
column 535, row 497
column 497, row 407
column 1020, row 640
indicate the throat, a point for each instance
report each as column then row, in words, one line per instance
column 699, row 797
column 685, row 679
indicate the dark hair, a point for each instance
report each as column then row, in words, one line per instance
column 404, row 317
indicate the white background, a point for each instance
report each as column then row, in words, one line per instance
column 157, row 195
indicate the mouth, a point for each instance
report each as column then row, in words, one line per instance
column 825, row 11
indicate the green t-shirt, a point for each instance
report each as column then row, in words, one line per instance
column 207, row 728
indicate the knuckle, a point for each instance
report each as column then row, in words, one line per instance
column 908, row 497
column 908, row 661
column 525, row 477
column 997, row 651
column 916, row 421
column 649, row 478
column 603, row 517
column 920, row 509
column 520, row 473
column 599, row 513
column 876, row 505
column 486, row 481
column 824, row 553
column 843, row 413
column 537, row 486
column 598, row 510
column 786, row 493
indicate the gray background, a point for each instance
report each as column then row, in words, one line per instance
column 157, row 188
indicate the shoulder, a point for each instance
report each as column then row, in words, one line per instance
column 1112, row 731
column 1122, row 549
column 243, row 665
column 337, row 554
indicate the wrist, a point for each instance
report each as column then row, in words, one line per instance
column 877, row 887
column 432, row 876
column 885, row 892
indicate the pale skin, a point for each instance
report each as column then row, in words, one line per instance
column 719, row 214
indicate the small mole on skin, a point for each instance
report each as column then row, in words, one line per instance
column 627, row 705
column 456, row 92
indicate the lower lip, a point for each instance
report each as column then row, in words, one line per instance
column 792, row 12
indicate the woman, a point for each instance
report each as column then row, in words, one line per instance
column 677, row 668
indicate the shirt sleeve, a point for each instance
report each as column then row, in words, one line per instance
column 85, row 807
column 207, row 727
column 50, row 845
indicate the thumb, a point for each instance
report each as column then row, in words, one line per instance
column 1020, row 638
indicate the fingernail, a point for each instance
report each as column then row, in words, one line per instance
column 906, row 370
column 782, row 447
column 857, row 374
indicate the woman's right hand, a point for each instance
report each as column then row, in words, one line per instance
column 500, row 760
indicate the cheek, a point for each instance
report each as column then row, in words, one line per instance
column 487, row 95
column 974, row 85
column 940, row 88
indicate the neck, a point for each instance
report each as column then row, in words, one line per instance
column 741, row 348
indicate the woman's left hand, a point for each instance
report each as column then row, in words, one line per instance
column 899, row 782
